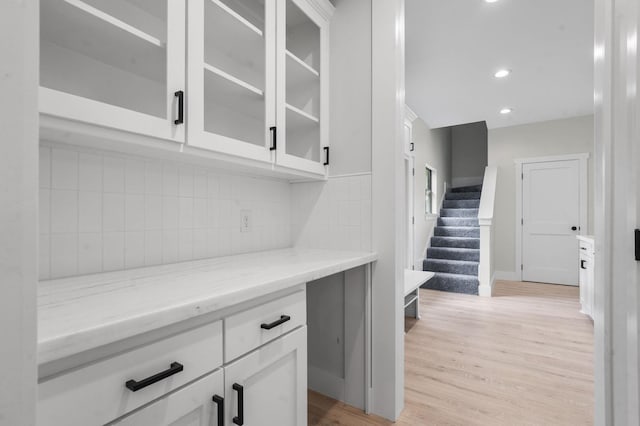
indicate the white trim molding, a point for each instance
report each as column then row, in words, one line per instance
column 584, row 197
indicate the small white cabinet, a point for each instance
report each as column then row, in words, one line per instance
column 115, row 63
column 269, row 386
column 587, row 275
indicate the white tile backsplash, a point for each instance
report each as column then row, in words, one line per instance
column 335, row 214
column 101, row 211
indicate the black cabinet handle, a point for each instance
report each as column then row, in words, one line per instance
column 282, row 320
column 135, row 386
column 220, row 403
column 239, row 419
column 326, row 158
column 411, row 147
column 574, row 228
column 180, row 95
column 582, row 264
column 274, row 138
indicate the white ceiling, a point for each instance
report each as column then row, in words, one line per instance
column 453, row 48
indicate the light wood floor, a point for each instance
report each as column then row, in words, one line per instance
column 523, row 357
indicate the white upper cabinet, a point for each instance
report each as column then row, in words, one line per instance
column 258, row 78
column 247, row 78
column 303, row 40
column 115, row 63
column 231, row 61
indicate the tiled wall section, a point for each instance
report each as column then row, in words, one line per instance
column 104, row 212
column 333, row 215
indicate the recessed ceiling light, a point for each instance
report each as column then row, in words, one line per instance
column 491, row 1
column 502, row 73
column 506, row 111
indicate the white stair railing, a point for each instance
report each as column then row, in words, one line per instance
column 485, row 218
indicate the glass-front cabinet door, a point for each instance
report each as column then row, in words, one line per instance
column 231, row 76
column 115, row 63
column 302, row 87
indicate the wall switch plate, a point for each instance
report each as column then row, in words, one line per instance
column 245, row 221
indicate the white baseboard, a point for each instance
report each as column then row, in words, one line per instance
column 467, row 181
column 506, row 276
column 487, row 290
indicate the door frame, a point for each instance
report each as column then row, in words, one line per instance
column 409, row 172
column 584, row 196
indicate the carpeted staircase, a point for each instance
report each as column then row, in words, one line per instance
column 454, row 254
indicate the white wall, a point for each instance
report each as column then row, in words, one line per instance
column 432, row 147
column 558, row 137
column 18, row 210
column 101, row 211
column 350, row 88
column 468, row 153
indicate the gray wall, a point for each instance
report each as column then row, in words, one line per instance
column 432, row 147
column 350, row 88
column 468, row 153
column 558, row 137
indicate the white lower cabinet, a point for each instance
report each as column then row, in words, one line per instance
column 182, row 380
column 269, row 385
column 587, row 276
column 198, row 404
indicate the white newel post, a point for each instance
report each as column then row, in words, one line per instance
column 485, row 219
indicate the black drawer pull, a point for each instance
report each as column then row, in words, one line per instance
column 282, row 320
column 239, row 419
column 220, row 403
column 582, row 264
column 135, row 386
column 274, row 138
column 326, row 153
column 180, row 95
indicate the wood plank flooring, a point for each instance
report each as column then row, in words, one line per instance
column 523, row 357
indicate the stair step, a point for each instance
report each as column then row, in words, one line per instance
column 473, row 188
column 462, row 195
column 461, row 204
column 456, row 242
column 459, row 212
column 454, row 283
column 457, row 231
column 453, row 253
column 458, row 221
column 461, row 267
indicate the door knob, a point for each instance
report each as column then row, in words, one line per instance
column 574, row 228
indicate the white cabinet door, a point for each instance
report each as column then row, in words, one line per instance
column 303, row 87
column 198, row 404
column 231, row 63
column 269, row 385
column 114, row 63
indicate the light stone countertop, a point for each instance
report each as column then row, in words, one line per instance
column 82, row 313
column 587, row 238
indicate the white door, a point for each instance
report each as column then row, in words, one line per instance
column 269, row 385
column 551, row 221
column 231, row 77
column 117, row 64
column 303, row 69
column 198, row 404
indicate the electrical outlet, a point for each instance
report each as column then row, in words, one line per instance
column 245, row 220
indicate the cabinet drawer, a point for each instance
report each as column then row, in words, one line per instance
column 200, row 403
column 102, row 392
column 250, row 329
